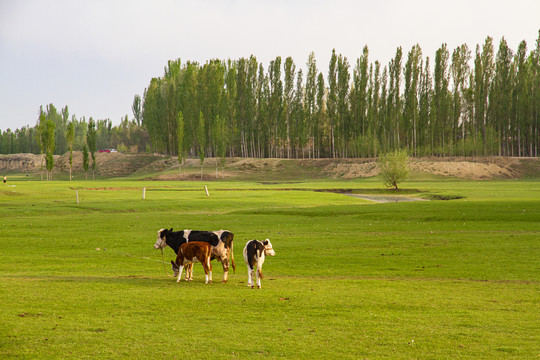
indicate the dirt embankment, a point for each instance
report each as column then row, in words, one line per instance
column 107, row 164
column 468, row 168
column 118, row 164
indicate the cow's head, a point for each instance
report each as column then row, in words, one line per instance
column 268, row 249
column 175, row 268
column 161, row 241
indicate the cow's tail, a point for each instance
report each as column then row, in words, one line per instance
column 232, row 258
column 260, row 273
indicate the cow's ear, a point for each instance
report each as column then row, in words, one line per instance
column 171, row 230
column 173, row 263
column 265, row 242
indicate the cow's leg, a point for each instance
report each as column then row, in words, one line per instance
column 225, row 263
column 250, row 276
column 186, row 278
column 259, row 276
column 207, row 272
column 210, row 268
column 180, row 273
column 189, row 272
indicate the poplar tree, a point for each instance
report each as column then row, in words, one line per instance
column 342, row 115
column 70, row 137
column 299, row 116
column 275, row 106
column 460, row 72
column 50, row 147
column 320, row 115
column 91, row 142
column 288, row 94
column 520, row 99
column 201, row 133
column 85, row 160
column 221, row 140
column 410, row 111
column 310, row 102
column 440, row 102
column 424, row 111
column 331, row 104
column 488, row 68
column 180, row 134
column 501, row 97
column 375, row 106
column 136, row 108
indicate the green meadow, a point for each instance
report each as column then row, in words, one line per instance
column 351, row 279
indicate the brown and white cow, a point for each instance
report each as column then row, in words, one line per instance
column 221, row 242
column 191, row 252
column 255, row 252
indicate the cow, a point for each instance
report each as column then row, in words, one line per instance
column 221, row 242
column 190, row 252
column 255, row 252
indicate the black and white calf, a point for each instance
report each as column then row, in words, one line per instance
column 221, row 242
column 255, row 252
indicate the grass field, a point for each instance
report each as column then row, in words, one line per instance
column 351, row 279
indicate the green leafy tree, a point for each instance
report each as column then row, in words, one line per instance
column 201, row 132
column 136, row 108
column 70, row 137
column 441, row 98
column 310, row 104
column 91, row 142
column 460, row 72
column 41, row 128
column 85, row 160
column 320, row 116
column 288, row 95
column 180, row 133
column 393, row 167
column 488, row 70
column 49, row 153
column 300, row 126
column 410, row 111
column 426, row 91
column 331, row 100
column 221, row 134
column 342, row 115
column 501, row 98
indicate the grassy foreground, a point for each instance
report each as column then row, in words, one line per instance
column 455, row 279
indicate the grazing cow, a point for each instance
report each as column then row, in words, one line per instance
column 221, row 241
column 255, row 252
column 190, row 252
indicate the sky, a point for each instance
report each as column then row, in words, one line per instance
column 95, row 55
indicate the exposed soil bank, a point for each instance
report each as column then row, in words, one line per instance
column 117, row 164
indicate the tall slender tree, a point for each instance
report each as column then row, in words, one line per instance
column 91, row 142
column 201, row 132
column 460, row 73
column 70, row 137
column 288, row 95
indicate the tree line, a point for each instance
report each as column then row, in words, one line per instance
column 129, row 135
column 477, row 103
column 471, row 104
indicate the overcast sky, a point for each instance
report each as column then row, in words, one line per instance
column 94, row 55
